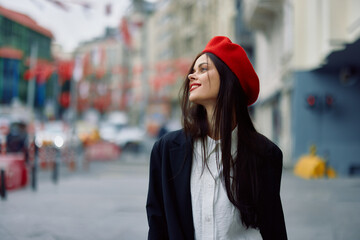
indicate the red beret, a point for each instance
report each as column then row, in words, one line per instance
column 234, row 56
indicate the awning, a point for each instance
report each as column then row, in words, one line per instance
column 9, row 52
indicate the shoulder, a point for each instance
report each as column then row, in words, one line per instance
column 267, row 150
column 264, row 144
column 173, row 138
column 176, row 135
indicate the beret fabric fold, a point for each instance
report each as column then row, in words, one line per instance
column 234, row 56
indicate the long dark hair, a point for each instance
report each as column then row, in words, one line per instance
column 239, row 172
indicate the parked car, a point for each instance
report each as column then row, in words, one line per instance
column 117, row 118
column 56, row 139
column 52, row 134
column 108, row 131
column 87, row 132
column 131, row 138
column 56, row 134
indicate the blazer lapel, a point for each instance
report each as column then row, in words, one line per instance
column 181, row 155
column 181, row 160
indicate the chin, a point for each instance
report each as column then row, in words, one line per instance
column 193, row 99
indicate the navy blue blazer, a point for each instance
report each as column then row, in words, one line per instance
column 168, row 205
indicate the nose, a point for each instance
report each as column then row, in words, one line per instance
column 192, row 76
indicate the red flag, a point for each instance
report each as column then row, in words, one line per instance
column 65, row 99
column 124, row 29
column 65, row 69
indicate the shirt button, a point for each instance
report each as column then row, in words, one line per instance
column 207, row 219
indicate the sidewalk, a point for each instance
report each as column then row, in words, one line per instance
column 322, row 209
column 108, row 202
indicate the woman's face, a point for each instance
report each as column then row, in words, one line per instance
column 204, row 82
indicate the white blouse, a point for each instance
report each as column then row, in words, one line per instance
column 215, row 217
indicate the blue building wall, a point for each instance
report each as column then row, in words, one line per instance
column 9, row 80
column 334, row 130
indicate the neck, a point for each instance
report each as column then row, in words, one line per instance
column 211, row 122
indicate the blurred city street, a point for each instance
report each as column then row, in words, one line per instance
column 321, row 209
column 87, row 86
column 108, row 202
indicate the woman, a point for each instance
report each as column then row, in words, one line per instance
column 217, row 178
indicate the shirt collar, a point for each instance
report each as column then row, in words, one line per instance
column 214, row 145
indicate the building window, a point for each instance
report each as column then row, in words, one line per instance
column 7, row 26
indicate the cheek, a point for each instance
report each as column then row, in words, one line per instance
column 214, row 91
column 216, row 86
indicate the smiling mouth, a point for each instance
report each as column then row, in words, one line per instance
column 194, row 86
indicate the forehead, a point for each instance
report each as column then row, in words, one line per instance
column 202, row 59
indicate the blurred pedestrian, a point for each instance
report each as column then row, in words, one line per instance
column 162, row 131
column 217, row 178
column 17, row 139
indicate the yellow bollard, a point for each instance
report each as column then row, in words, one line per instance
column 313, row 166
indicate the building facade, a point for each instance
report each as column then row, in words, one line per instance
column 21, row 38
column 102, row 84
column 155, row 46
column 307, row 60
column 177, row 32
